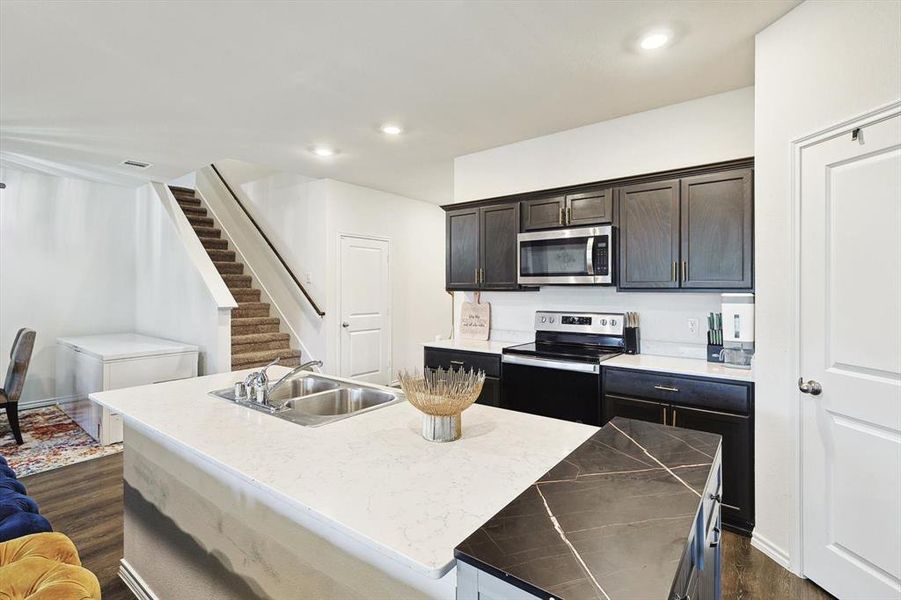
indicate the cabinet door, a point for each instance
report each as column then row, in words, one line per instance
column 649, row 235
column 633, row 408
column 738, row 475
column 491, row 392
column 499, row 227
column 462, row 252
column 590, row 208
column 542, row 213
column 717, row 230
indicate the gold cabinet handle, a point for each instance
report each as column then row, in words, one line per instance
column 560, row 218
column 684, row 270
column 569, row 215
column 666, row 388
column 476, row 280
column 675, row 268
column 674, row 417
column 481, row 275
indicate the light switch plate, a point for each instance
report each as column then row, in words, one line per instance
column 693, row 326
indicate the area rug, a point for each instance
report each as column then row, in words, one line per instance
column 52, row 440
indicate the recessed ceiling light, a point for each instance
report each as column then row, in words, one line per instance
column 323, row 151
column 392, row 129
column 655, row 40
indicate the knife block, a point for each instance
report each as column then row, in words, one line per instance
column 713, row 353
column 632, row 340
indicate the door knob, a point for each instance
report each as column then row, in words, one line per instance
column 345, row 324
column 811, row 387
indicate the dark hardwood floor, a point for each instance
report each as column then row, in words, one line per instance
column 84, row 501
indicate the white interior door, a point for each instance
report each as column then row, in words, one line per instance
column 851, row 345
column 364, row 301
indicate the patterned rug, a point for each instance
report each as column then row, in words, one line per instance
column 52, row 440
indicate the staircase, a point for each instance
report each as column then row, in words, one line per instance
column 256, row 340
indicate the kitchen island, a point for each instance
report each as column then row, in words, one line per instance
column 222, row 501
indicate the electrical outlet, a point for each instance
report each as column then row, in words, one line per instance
column 693, row 326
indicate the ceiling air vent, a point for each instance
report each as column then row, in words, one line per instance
column 136, row 164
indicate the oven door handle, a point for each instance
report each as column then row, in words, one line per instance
column 589, row 255
column 545, row 363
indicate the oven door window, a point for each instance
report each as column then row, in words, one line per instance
column 547, row 258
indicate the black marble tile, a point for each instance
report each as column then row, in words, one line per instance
column 611, row 520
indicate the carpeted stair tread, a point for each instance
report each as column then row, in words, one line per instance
column 207, row 232
column 200, row 221
column 194, row 211
column 254, row 342
column 183, row 202
column 246, row 295
column 180, row 189
column 244, row 360
column 214, row 244
column 237, row 281
column 248, row 325
column 231, row 267
column 251, row 309
column 221, row 255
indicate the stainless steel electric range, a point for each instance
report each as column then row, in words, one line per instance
column 559, row 374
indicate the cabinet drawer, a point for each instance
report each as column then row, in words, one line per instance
column 446, row 359
column 703, row 393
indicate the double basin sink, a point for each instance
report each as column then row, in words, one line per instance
column 314, row 400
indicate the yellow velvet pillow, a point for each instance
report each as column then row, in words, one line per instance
column 53, row 546
column 37, row 578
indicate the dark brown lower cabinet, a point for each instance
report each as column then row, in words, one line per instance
column 434, row 358
column 714, row 406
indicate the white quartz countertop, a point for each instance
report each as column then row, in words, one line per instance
column 679, row 366
column 116, row 346
column 488, row 346
column 370, row 476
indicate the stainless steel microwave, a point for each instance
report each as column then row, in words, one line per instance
column 579, row 256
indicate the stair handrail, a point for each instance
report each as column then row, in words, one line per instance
column 259, row 229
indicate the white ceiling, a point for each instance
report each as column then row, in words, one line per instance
column 181, row 84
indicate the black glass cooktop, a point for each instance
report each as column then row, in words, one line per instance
column 570, row 352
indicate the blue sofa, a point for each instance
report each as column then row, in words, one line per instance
column 19, row 514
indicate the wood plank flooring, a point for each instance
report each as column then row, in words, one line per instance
column 84, row 501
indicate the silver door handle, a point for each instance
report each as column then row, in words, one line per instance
column 345, row 324
column 811, row 387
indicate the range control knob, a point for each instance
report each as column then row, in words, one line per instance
column 613, row 322
column 551, row 319
column 544, row 319
column 603, row 322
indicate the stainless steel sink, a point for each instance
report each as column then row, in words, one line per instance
column 314, row 400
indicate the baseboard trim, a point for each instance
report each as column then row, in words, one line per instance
column 134, row 582
column 47, row 402
column 771, row 550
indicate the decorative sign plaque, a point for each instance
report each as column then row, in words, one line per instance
column 475, row 320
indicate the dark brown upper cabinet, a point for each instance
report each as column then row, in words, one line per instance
column 499, row 226
column 717, row 230
column 589, row 208
column 462, row 254
column 649, row 235
column 571, row 210
column 543, row 213
column 481, row 248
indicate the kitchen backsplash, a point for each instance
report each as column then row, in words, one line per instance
column 664, row 316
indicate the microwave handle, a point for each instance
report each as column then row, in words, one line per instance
column 589, row 255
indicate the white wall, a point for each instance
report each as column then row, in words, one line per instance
column 710, row 129
column 172, row 300
column 822, row 63
column 706, row 130
column 303, row 217
column 67, row 257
